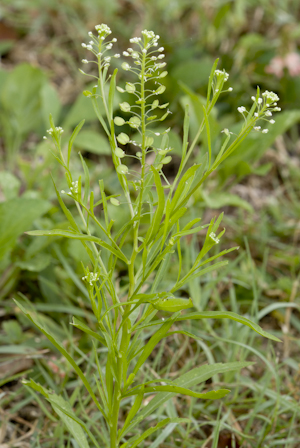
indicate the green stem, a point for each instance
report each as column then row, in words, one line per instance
column 143, row 124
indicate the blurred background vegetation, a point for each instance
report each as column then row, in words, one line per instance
column 258, row 188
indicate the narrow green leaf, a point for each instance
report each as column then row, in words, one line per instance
column 208, row 136
column 99, row 116
column 228, row 315
column 135, row 408
column 86, row 181
column 83, row 327
column 172, row 304
column 72, row 138
column 212, row 395
column 136, row 441
column 186, row 125
column 211, row 77
column 79, row 236
column 187, row 177
column 154, row 340
column 155, row 224
column 189, row 379
column 64, row 410
column 33, row 318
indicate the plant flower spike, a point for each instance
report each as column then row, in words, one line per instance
column 130, row 321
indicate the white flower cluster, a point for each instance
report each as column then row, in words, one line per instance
column 103, row 30
column 74, row 188
column 91, row 277
column 214, row 237
column 222, row 73
column 220, row 78
column 98, row 47
column 266, row 105
column 58, row 130
column 270, row 97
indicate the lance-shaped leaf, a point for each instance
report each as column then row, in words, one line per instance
column 228, row 315
column 172, row 304
column 148, row 349
column 74, row 424
column 80, row 236
column 189, row 379
column 212, row 395
column 72, row 138
column 33, row 318
column 86, row 329
column 133, row 411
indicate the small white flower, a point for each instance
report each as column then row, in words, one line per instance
column 85, row 61
column 161, row 49
column 272, row 121
column 45, row 138
column 109, row 46
column 144, row 50
column 268, row 113
column 259, row 101
column 114, row 39
column 107, row 59
column 153, row 58
column 90, row 33
column 89, row 47
column 241, row 109
column 256, row 114
column 161, row 56
column 257, row 128
column 125, row 53
column 271, row 96
column 83, row 45
column 226, row 132
column 230, row 89
column 265, row 131
column 103, row 29
column 253, row 98
column 277, row 109
column 117, row 55
column 213, row 236
column 134, row 40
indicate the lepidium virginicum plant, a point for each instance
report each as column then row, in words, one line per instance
column 128, row 316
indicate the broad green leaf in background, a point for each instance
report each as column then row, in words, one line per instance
column 50, row 104
column 218, row 199
column 9, row 184
column 20, row 107
column 83, row 109
column 194, row 72
column 17, row 216
column 92, row 141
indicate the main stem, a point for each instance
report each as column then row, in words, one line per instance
column 114, row 418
